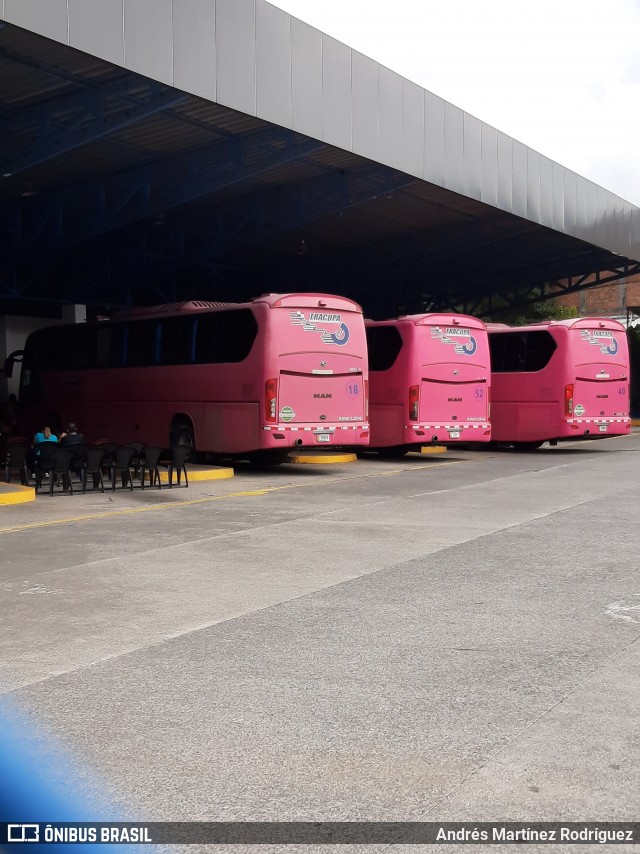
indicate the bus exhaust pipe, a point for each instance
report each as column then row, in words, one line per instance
column 298, row 441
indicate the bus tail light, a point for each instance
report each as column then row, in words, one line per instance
column 488, row 403
column 414, row 398
column 270, row 396
column 568, row 399
column 366, row 398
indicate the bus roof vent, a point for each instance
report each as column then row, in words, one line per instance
column 168, row 308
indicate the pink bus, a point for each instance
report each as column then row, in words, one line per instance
column 246, row 380
column 429, row 381
column 565, row 379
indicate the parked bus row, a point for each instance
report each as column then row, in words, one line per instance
column 306, row 370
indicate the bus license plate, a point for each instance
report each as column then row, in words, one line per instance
column 602, row 428
column 454, row 434
column 323, row 437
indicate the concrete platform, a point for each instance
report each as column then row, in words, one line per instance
column 449, row 637
column 200, row 473
column 318, row 458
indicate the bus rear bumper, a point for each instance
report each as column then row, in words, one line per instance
column 614, row 426
column 315, row 435
column 420, row 434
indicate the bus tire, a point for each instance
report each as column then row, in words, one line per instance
column 393, row 452
column 527, row 447
column 182, row 435
column 268, row 459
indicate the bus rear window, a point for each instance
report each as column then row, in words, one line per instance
column 384, row 343
column 520, row 352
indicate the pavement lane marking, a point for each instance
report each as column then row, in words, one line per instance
column 625, row 609
column 257, row 492
column 211, row 498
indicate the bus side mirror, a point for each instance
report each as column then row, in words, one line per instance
column 10, row 361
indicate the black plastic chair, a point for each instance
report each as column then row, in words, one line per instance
column 43, row 460
column 77, row 463
column 136, row 462
column 61, row 470
column 123, row 463
column 16, row 461
column 137, row 446
column 179, row 456
column 149, row 463
column 93, row 462
column 110, row 455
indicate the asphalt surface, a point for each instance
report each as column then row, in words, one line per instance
column 440, row 638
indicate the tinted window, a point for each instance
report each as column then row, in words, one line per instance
column 79, row 352
column 62, row 348
column 519, row 352
column 111, row 343
column 225, row 336
column 142, row 343
column 384, row 344
column 177, row 341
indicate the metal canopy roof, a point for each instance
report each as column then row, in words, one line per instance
column 117, row 189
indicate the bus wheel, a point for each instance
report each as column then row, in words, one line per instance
column 182, row 436
column 394, row 452
column 527, row 447
column 268, row 459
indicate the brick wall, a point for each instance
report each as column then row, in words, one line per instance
column 611, row 299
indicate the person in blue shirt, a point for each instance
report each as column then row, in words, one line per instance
column 45, row 435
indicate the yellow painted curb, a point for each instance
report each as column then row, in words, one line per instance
column 433, row 449
column 16, row 494
column 635, row 422
column 322, row 459
column 200, row 473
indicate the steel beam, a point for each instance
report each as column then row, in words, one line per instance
column 53, row 222
column 62, row 124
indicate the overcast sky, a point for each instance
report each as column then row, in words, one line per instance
column 562, row 76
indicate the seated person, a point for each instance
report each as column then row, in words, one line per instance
column 71, row 437
column 45, row 435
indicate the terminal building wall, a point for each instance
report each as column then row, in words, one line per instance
column 610, row 300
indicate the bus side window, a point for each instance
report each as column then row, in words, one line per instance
column 225, row 336
column 384, row 344
column 110, row 350
column 507, row 352
column 142, row 343
column 176, row 341
column 540, row 349
column 519, row 352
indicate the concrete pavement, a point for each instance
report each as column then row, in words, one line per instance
column 447, row 638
